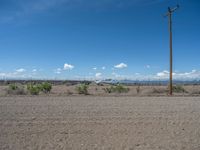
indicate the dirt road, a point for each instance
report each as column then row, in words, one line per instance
column 99, row 123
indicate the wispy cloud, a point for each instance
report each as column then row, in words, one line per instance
column 20, row 70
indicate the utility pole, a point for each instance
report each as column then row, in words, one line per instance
column 169, row 14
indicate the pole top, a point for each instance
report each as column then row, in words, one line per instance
column 171, row 10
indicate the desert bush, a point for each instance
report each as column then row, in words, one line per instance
column 120, row 89
column 34, row 89
column 116, row 89
column 46, row 87
column 82, row 89
column 108, row 90
column 159, row 90
column 178, row 89
column 16, row 89
column 13, row 86
column 138, row 89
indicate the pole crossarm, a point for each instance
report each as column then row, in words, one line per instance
column 170, row 11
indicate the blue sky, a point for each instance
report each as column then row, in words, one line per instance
column 93, row 39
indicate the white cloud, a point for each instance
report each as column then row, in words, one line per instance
column 12, row 75
column 163, row 73
column 103, row 68
column 68, row 67
column 98, row 74
column 194, row 74
column 20, row 70
column 121, row 65
column 58, row 71
column 94, row 68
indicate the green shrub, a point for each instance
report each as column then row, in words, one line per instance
column 46, row 87
column 82, row 89
column 16, row 89
column 116, row 89
column 13, row 86
column 34, row 89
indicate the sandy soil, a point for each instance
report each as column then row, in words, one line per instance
column 99, row 123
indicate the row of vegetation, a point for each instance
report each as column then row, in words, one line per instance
column 33, row 89
column 45, row 87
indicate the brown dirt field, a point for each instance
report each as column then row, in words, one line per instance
column 99, row 123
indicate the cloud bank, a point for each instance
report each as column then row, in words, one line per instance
column 163, row 75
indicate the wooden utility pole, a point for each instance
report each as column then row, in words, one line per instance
column 169, row 14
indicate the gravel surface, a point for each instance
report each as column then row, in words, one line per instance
column 99, row 123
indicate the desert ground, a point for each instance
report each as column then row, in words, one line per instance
column 99, row 90
column 99, row 123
